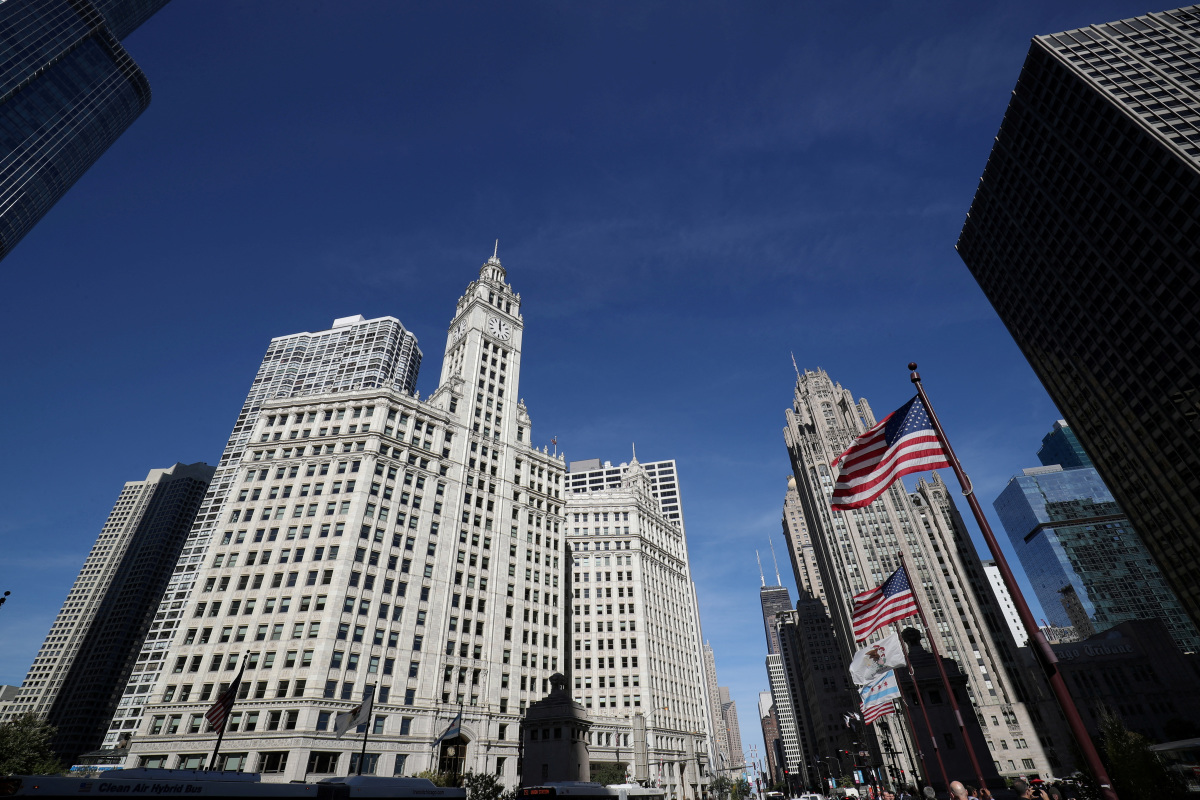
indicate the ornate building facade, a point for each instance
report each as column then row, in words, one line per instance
column 360, row 539
column 857, row 550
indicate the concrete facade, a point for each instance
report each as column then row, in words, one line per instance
column 361, row 536
column 857, row 550
column 636, row 652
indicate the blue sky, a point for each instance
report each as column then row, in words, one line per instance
column 684, row 194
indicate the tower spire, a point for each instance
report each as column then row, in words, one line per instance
column 635, row 453
column 762, row 577
column 778, row 582
column 793, row 365
column 496, row 255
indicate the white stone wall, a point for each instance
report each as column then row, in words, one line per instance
column 427, row 564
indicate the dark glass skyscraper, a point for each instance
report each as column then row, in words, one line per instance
column 68, row 89
column 1085, row 236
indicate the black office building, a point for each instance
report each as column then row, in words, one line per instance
column 68, row 89
column 1085, row 236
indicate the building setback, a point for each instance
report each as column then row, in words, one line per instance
column 1085, row 237
column 68, row 90
column 857, row 550
column 354, row 354
column 77, row 678
column 635, row 627
column 367, row 538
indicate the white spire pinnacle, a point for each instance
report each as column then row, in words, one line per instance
column 635, row 453
column 795, row 367
column 762, row 577
column 496, row 255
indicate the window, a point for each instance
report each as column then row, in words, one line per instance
column 369, row 762
column 320, row 763
column 272, row 763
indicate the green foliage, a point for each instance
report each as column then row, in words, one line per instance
column 607, row 772
column 442, row 778
column 741, row 789
column 720, row 787
column 1136, row 771
column 25, row 747
column 483, row 786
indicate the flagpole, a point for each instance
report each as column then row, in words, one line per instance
column 937, row 751
column 362, row 754
column 212, row 761
column 908, row 714
column 1041, row 647
column 937, row 657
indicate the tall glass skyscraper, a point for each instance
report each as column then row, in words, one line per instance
column 1084, row 235
column 1079, row 548
column 68, row 89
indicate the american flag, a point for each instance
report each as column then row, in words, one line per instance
column 877, row 697
column 892, row 601
column 218, row 713
column 902, row 443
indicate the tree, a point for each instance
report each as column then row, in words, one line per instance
column 483, row 786
column 741, row 789
column 442, row 778
column 607, row 773
column 25, row 747
column 1136, row 771
column 720, row 787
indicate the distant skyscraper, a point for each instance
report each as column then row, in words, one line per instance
column 68, row 89
column 730, row 718
column 774, row 600
column 723, row 756
column 355, row 354
column 77, row 677
column 824, row 693
column 367, row 538
column 857, row 550
column 1005, row 602
column 635, row 629
column 770, row 731
column 1061, row 446
column 1086, row 561
column 1084, row 236
column 592, row 474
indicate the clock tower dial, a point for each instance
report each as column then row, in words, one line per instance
column 499, row 328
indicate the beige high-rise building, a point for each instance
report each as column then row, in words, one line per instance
column 857, row 550
column 76, row 680
column 355, row 353
column 636, row 655
column 364, row 538
column 722, row 753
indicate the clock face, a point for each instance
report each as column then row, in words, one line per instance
column 499, row 328
column 457, row 333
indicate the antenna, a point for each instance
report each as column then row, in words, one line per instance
column 778, row 582
column 760, row 572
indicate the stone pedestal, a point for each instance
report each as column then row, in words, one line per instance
column 554, row 738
